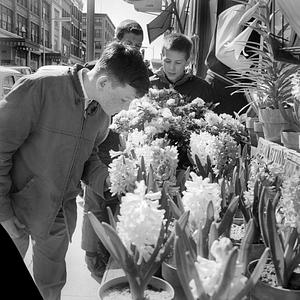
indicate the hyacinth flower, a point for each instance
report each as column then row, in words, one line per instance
column 139, row 240
column 218, row 278
column 202, row 199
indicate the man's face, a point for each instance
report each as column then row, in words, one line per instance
column 174, row 63
column 114, row 98
column 134, row 40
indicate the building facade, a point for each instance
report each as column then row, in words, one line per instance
column 41, row 32
column 103, row 34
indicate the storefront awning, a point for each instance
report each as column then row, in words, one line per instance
column 54, row 56
column 11, row 41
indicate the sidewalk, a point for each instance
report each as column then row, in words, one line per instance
column 80, row 285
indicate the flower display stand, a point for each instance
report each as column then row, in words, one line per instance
column 114, row 271
column 269, row 151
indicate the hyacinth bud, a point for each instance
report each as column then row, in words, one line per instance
column 220, row 249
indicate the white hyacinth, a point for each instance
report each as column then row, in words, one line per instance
column 199, row 192
column 204, row 144
column 140, row 220
column 210, row 271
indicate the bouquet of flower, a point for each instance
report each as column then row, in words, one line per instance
column 165, row 114
column 156, row 154
column 220, row 152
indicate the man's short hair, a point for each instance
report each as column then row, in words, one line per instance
column 128, row 26
column 124, row 65
column 178, row 42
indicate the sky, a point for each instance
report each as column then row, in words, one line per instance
column 119, row 10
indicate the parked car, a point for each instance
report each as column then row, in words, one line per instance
column 49, row 68
column 8, row 77
column 22, row 69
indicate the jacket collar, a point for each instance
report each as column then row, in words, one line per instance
column 73, row 74
column 162, row 76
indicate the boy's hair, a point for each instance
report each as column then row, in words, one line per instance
column 124, row 65
column 128, row 26
column 178, row 42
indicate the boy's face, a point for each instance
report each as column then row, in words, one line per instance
column 114, row 98
column 174, row 63
column 134, row 40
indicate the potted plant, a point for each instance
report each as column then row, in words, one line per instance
column 138, row 241
column 220, row 277
column 202, row 200
column 267, row 79
column 290, row 138
column 281, row 278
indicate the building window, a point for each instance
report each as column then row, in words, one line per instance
column 46, row 11
column 66, row 34
column 98, row 45
column 66, row 50
column 65, row 13
column 56, row 16
column 35, row 6
column 23, row 2
column 47, row 38
column 84, row 33
column 56, row 48
column 6, row 18
column 35, row 33
column 21, row 26
column 98, row 33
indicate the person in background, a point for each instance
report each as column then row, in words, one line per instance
column 176, row 52
column 128, row 32
column 51, row 124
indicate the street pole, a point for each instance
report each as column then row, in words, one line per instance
column 44, row 52
column 90, row 29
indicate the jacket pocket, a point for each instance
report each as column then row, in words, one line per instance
column 34, row 205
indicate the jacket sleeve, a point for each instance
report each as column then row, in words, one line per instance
column 95, row 171
column 19, row 112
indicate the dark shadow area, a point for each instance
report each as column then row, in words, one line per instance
column 16, row 281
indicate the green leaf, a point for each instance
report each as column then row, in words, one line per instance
column 223, row 288
column 112, row 221
column 112, row 242
column 213, row 235
column 245, row 245
column 202, row 245
column 151, row 183
column 185, row 264
column 276, row 247
column 225, row 224
column 254, row 277
column 174, row 209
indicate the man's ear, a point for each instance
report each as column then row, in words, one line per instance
column 101, row 82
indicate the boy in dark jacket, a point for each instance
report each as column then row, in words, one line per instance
column 176, row 52
column 51, row 124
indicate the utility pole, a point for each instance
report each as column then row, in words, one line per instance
column 90, row 29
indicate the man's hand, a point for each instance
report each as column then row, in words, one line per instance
column 13, row 227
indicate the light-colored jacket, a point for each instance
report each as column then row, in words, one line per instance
column 47, row 145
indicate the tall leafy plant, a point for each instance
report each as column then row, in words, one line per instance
column 267, row 80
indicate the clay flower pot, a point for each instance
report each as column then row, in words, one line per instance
column 264, row 291
column 273, row 124
column 291, row 139
column 159, row 289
